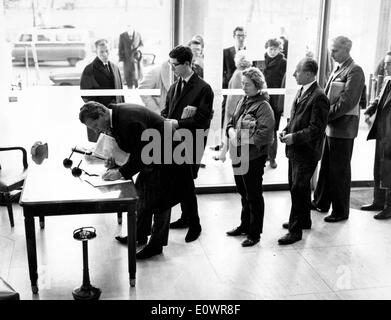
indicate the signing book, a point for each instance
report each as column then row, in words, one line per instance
column 107, row 147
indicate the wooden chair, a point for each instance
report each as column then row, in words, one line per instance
column 10, row 181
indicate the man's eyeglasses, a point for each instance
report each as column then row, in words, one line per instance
column 240, row 35
column 172, row 64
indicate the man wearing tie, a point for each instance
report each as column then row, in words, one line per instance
column 101, row 74
column 378, row 115
column 189, row 91
column 229, row 67
column 344, row 89
column 303, row 137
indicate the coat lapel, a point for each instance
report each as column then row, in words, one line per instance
column 300, row 102
column 385, row 97
column 336, row 74
column 99, row 65
column 188, row 87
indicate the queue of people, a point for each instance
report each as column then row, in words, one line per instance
column 322, row 127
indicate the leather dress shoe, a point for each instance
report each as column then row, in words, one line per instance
column 372, row 207
column 249, row 242
column 124, row 240
column 193, row 233
column 238, row 231
column 384, row 214
column 289, row 238
column 273, row 164
column 333, row 218
column 314, row 207
column 179, row 224
column 216, row 147
column 148, row 252
column 305, row 227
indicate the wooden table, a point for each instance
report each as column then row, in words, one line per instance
column 50, row 190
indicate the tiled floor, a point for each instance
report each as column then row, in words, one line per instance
column 347, row 260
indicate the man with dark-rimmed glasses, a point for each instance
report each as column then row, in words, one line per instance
column 189, row 106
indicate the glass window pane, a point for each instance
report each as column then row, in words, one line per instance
column 263, row 20
column 74, row 26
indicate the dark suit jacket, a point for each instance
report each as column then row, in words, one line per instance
column 128, row 52
column 343, row 117
column 159, row 185
column 381, row 130
column 228, row 65
column 128, row 46
column 307, row 123
column 95, row 76
column 196, row 93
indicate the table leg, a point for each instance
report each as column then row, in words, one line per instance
column 29, row 226
column 119, row 217
column 42, row 222
column 132, row 245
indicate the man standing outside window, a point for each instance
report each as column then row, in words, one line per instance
column 129, row 52
column 101, row 74
column 239, row 36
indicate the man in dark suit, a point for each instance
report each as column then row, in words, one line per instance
column 378, row 116
column 130, row 56
column 160, row 185
column 229, row 66
column 189, row 92
column 101, row 74
column 344, row 89
column 303, row 137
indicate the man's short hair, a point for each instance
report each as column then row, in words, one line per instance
column 344, row 42
column 91, row 110
column 256, row 76
column 238, row 28
column 101, row 42
column 273, row 43
column 310, row 65
column 182, row 54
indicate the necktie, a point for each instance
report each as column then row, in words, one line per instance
column 179, row 88
column 331, row 79
column 300, row 93
column 107, row 68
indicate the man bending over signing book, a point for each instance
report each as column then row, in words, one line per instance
column 159, row 186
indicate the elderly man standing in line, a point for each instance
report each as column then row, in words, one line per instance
column 303, row 137
column 378, row 116
column 343, row 89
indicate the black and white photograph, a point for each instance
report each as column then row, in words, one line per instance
column 197, row 155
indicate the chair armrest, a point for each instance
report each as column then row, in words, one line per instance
column 25, row 165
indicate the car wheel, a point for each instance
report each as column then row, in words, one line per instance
column 72, row 61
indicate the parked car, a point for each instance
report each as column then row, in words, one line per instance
column 65, row 43
column 67, row 77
